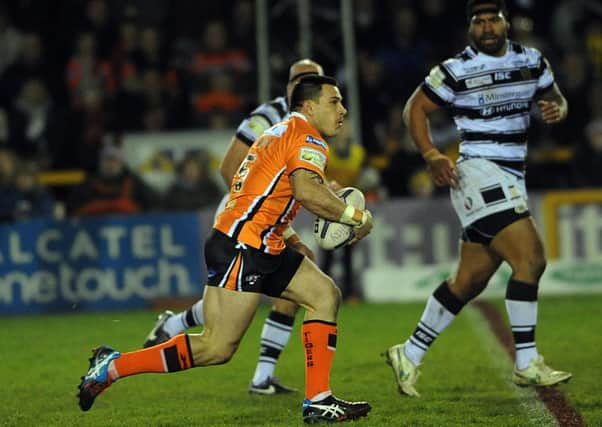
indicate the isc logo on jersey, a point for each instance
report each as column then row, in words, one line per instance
column 313, row 156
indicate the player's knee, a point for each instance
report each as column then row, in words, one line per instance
column 222, row 353
column 538, row 265
column 285, row 307
column 532, row 265
column 466, row 287
column 329, row 298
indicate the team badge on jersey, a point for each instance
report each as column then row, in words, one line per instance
column 314, row 157
column 435, row 77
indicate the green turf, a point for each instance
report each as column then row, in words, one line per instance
column 465, row 378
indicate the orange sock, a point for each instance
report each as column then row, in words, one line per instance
column 171, row 356
column 320, row 342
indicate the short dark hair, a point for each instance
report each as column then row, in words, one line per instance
column 309, row 87
column 496, row 7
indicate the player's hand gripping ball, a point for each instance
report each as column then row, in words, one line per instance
column 331, row 235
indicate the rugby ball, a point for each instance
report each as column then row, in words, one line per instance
column 331, row 235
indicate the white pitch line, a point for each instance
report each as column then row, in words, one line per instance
column 536, row 413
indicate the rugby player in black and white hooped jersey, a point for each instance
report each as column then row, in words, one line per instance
column 279, row 324
column 489, row 89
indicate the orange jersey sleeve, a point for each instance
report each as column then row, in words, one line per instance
column 261, row 202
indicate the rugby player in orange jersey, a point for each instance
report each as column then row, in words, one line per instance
column 246, row 255
column 278, row 326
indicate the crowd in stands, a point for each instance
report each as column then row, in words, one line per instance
column 74, row 74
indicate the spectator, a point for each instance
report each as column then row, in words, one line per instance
column 33, row 123
column 123, row 61
column 4, row 130
column 10, row 41
column 242, row 25
column 368, row 21
column 523, row 33
column 31, row 64
column 593, row 42
column 574, row 79
column 433, row 16
column 220, row 96
column 216, row 55
column 566, row 17
column 406, row 52
column 8, row 167
column 150, row 51
column 194, row 188
column 157, row 106
column 217, row 62
column 87, row 131
column 400, row 160
column 23, row 197
column 375, row 101
column 421, row 185
column 346, row 157
column 98, row 21
column 112, row 190
column 164, row 106
column 86, row 71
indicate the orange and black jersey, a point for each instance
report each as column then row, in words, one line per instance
column 261, row 202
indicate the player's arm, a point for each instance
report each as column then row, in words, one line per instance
column 292, row 239
column 234, row 156
column 415, row 116
column 314, row 195
column 553, row 105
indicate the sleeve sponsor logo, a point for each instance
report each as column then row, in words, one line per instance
column 316, row 141
column 313, row 156
column 258, row 124
column 435, row 77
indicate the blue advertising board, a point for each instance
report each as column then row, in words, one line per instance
column 99, row 263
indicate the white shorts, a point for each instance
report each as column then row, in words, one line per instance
column 485, row 189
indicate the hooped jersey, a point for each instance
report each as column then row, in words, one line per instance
column 490, row 99
column 261, row 118
column 261, row 202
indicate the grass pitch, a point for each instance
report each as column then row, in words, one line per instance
column 465, row 377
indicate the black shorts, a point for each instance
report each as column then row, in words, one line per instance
column 485, row 229
column 239, row 267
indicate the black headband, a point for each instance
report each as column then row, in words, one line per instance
column 306, row 73
column 494, row 10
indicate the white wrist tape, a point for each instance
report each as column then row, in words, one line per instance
column 347, row 217
column 364, row 219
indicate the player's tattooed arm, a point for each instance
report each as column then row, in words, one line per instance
column 308, row 174
column 314, row 195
